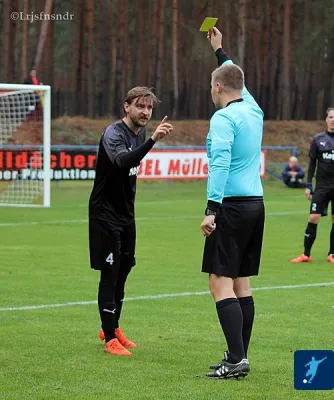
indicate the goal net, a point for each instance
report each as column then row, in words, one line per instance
column 25, row 145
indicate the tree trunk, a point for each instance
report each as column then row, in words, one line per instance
column 8, row 40
column 286, row 95
column 141, row 48
column 77, row 40
column 122, row 31
column 83, row 107
column 274, row 54
column 90, row 64
column 43, row 33
column 305, row 67
column 47, row 59
column 102, row 57
column 242, row 32
column 24, row 51
column 160, row 52
column 174, row 59
column 113, row 57
column 265, row 57
column 227, row 26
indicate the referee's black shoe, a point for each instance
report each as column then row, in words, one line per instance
column 228, row 370
column 216, row 366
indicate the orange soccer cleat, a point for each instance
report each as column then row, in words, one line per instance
column 114, row 347
column 330, row 258
column 101, row 335
column 121, row 338
column 301, row 259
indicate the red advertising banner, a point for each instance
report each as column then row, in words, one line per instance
column 80, row 165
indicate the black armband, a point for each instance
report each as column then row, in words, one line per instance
column 213, row 207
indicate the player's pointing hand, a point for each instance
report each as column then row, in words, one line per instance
column 163, row 129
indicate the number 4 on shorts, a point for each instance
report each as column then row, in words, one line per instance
column 110, row 259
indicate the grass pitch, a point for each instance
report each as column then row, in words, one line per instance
column 54, row 352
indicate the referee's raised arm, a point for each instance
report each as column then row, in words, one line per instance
column 215, row 38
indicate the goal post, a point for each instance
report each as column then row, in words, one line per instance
column 25, row 145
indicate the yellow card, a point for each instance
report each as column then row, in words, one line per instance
column 208, row 24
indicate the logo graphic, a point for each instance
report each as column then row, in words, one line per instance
column 328, row 156
column 109, row 311
column 314, row 370
column 133, row 171
column 323, row 143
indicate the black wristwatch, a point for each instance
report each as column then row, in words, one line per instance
column 210, row 212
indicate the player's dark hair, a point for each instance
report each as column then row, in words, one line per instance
column 139, row 92
column 230, row 76
column 328, row 110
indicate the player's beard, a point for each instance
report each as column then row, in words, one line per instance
column 139, row 122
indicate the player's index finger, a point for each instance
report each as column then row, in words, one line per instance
column 208, row 24
column 164, row 119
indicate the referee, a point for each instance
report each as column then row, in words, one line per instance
column 321, row 158
column 112, row 231
column 234, row 216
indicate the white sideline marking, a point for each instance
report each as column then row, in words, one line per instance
column 161, row 217
column 159, row 296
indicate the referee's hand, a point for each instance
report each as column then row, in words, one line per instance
column 163, row 129
column 214, row 36
column 208, row 225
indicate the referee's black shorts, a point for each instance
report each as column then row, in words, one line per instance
column 234, row 248
column 321, row 199
column 111, row 246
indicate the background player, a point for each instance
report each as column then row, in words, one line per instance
column 112, row 231
column 321, row 158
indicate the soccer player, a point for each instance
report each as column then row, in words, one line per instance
column 112, row 231
column 234, row 216
column 321, row 158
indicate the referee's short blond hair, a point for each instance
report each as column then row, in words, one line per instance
column 230, row 76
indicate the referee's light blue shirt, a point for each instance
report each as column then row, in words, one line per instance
column 233, row 147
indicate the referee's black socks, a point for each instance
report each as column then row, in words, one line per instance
column 231, row 320
column 248, row 311
column 310, row 235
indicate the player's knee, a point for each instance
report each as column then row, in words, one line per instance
column 314, row 218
